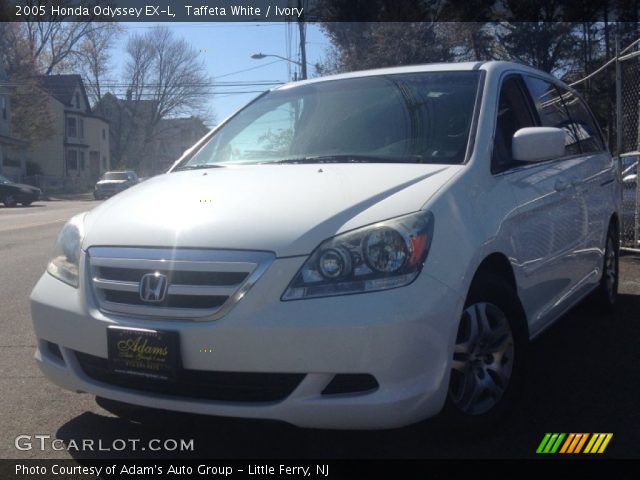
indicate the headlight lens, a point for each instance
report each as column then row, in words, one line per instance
column 66, row 254
column 385, row 255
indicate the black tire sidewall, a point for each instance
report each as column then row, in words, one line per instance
column 605, row 300
column 491, row 288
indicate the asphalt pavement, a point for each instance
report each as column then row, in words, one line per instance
column 583, row 376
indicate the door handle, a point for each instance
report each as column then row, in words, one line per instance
column 561, row 185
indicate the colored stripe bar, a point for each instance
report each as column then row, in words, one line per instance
column 550, row 443
column 590, row 444
column 555, row 447
column 607, row 439
column 601, row 440
column 567, row 443
column 573, row 443
column 581, row 443
column 576, row 439
column 543, row 443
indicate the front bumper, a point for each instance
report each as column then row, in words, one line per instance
column 403, row 337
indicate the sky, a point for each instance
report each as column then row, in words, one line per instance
column 226, row 49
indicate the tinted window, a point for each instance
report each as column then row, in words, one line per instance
column 552, row 111
column 513, row 114
column 416, row 118
column 583, row 123
column 115, row 176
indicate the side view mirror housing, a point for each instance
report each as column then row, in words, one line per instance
column 536, row 144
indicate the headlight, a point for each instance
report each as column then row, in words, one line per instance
column 385, row 255
column 66, row 253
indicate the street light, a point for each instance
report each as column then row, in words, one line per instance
column 260, row 56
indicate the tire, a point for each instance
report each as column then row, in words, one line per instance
column 489, row 356
column 9, row 201
column 607, row 293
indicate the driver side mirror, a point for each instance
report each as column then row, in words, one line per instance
column 536, row 144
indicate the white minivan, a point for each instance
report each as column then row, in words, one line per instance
column 357, row 251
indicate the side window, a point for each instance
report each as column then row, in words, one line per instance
column 513, row 114
column 552, row 111
column 583, row 123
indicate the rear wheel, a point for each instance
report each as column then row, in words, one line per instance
column 487, row 368
column 9, row 201
column 607, row 292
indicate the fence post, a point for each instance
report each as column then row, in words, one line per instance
column 618, row 99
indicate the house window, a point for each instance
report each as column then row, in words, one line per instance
column 104, row 134
column 80, row 128
column 81, row 160
column 72, row 129
column 72, row 160
column 4, row 107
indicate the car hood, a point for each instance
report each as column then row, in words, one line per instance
column 286, row 209
column 103, row 183
column 23, row 186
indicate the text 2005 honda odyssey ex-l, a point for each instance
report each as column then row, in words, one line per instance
column 356, row 251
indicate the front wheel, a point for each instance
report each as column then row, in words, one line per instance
column 487, row 368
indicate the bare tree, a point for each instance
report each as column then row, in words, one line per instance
column 31, row 118
column 93, row 59
column 54, row 45
column 166, row 71
column 164, row 77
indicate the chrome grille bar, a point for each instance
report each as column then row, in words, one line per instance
column 208, row 282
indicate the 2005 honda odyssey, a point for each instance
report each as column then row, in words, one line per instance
column 355, row 251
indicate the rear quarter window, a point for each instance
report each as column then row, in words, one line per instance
column 583, row 122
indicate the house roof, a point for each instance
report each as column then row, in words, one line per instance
column 62, row 87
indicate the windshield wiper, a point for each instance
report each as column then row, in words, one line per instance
column 346, row 158
column 199, row 166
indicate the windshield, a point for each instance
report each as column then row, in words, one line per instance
column 115, row 176
column 414, row 118
column 4, row 180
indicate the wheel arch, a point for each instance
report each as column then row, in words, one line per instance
column 497, row 263
column 615, row 221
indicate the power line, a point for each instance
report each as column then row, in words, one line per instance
column 249, row 69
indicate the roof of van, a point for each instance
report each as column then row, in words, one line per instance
column 492, row 66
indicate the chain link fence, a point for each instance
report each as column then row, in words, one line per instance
column 613, row 91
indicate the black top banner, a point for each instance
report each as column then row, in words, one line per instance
column 321, row 10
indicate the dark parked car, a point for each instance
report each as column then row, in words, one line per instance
column 12, row 193
column 114, row 182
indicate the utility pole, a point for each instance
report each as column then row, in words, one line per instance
column 303, row 43
column 619, row 119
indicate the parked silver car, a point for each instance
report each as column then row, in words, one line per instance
column 114, row 182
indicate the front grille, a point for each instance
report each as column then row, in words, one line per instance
column 201, row 284
column 200, row 384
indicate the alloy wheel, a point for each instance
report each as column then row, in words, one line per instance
column 483, row 359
